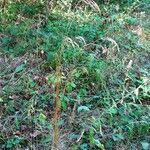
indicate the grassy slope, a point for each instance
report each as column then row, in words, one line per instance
column 104, row 60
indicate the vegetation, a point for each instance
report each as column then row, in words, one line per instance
column 74, row 75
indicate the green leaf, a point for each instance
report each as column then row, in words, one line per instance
column 73, row 85
column 98, row 144
column 118, row 137
column 145, row 145
column 64, row 104
column 9, row 143
column 32, row 83
column 70, row 86
column 83, row 108
column 112, row 110
column 1, row 100
column 20, row 68
column 84, row 146
column 12, row 142
column 51, row 78
column 46, row 139
column 91, row 136
column 42, row 118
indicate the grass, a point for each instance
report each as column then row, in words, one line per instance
column 102, row 52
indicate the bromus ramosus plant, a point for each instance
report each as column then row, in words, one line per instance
column 57, row 86
column 58, row 90
column 60, row 85
column 57, row 108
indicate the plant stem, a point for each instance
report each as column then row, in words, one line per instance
column 57, row 109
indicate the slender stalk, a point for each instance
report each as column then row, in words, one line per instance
column 57, row 109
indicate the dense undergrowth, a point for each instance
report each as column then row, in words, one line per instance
column 98, row 52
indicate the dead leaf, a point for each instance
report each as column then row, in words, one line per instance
column 13, row 97
column 129, row 64
column 35, row 133
column 17, row 133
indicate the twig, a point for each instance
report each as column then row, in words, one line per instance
column 81, row 135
